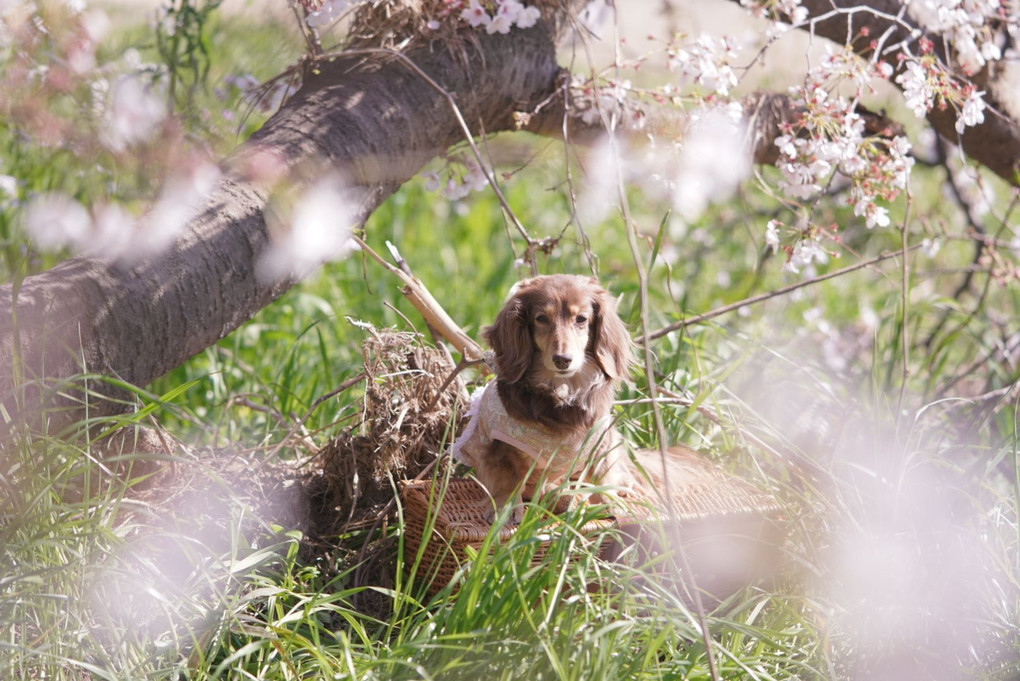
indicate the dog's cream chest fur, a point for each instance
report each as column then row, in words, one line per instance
column 557, row 453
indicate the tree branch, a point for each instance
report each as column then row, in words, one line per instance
column 995, row 143
column 765, row 116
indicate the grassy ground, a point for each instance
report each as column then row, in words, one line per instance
column 872, row 406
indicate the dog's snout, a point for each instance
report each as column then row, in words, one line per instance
column 562, row 361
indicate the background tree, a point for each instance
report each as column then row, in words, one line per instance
column 375, row 115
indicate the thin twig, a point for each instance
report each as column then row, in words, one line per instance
column 311, row 410
column 905, row 304
column 311, row 35
column 463, row 364
column 978, row 233
column 719, row 311
column 429, row 307
column 406, row 269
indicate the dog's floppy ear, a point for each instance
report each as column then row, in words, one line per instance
column 611, row 343
column 510, row 338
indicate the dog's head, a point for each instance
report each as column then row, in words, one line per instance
column 554, row 324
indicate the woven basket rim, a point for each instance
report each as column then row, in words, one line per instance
column 458, row 517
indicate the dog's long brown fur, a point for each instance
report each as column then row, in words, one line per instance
column 561, row 352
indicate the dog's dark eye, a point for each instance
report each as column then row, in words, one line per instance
column 541, row 319
column 581, row 319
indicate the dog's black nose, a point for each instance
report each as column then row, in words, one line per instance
column 562, row 361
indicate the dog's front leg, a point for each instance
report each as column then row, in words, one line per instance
column 499, row 471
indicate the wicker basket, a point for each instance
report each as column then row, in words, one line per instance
column 717, row 515
column 458, row 522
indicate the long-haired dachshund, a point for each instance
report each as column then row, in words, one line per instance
column 560, row 351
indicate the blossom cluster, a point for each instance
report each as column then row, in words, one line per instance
column 969, row 26
column 713, row 160
column 781, row 10
column 703, row 165
column 319, row 13
column 840, row 68
column 93, row 119
column 463, row 176
column 499, row 16
column 120, row 103
column 829, row 137
column 706, row 62
column 819, row 146
column 804, row 252
column 829, row 143
column 56, row 220
column 926, row 84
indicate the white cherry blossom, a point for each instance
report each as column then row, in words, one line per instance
column 973, row 111
column 56, row 220
column 772, row 235
column 135, row 111
column 475, row 14
column 919, row 94
column 318, row 230
column 707, row 63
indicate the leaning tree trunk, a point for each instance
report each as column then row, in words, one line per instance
column 370, row 117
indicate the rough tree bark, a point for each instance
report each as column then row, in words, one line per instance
column 378, row 123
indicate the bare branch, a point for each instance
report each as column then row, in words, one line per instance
column 697, row 319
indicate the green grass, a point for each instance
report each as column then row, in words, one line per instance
column 799, row 394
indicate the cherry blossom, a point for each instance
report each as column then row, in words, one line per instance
column 970, row 26
column 919, row 94
column 476, row 178
column 506, row 14
column 804, row 253
column 56, row 220
column 528, row 17
column 707, row 63
column 330, row 11
column 973, row 110
column 432, row 180
column 711, row 163
column 135, row 111
column 114, row 231
column 502, row 22
column 464, row 177
column 476, row 15
column 8, row 189
column 178, row 202
column 318, row 229
column 875, row 216
column 772, row 235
